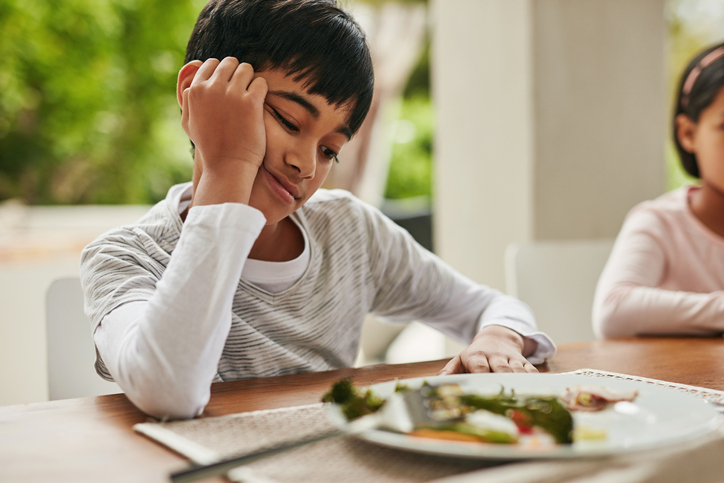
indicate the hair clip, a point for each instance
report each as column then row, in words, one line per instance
column 694, row 74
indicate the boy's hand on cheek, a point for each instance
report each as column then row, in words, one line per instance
column 224, row 116
column 494, row 349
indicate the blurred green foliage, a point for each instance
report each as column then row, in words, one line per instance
column 687, row 36
column 411, row 163
column 411, row 167
column 87, row 104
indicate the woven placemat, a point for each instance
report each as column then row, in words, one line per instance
column 342, row 459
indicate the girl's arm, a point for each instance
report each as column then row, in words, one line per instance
column 627, row 300
column 164, row 351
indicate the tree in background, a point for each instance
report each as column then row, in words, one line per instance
column 411, row 165
column 87, row 111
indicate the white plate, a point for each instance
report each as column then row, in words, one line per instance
column 659, row 416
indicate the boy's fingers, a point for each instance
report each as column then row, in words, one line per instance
column 242, row 76
column 517, row 365
column 529, row 367
column 259, row 87
column 205, row 71
column 225, row 70
column 454, row 366
column 500, row 365
column 478, row 364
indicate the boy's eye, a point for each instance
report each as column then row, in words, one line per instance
column 283, row 121
column 329, row 154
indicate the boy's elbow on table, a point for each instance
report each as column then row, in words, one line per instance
column 166, row 398
column 170, row 404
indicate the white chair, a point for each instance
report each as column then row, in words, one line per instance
column 71, row 353
column 557, row 279
column 398, row 343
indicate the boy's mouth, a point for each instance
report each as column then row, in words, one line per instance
column 282, row 186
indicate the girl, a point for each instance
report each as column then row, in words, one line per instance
column 665, row 274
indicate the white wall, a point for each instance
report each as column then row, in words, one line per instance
column 599, row 113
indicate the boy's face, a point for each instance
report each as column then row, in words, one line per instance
column 304, row 134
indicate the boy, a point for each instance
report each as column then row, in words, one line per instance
column 241, row 273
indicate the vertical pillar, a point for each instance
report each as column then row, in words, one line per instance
column 551, row 122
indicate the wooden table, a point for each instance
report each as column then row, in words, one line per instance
column 91, row 439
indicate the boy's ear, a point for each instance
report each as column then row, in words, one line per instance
column 685, row 132
column 185, row 77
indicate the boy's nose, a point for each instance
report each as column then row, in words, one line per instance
column 305, row 162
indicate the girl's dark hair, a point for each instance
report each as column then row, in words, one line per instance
column 313, row 40
column 699, row 85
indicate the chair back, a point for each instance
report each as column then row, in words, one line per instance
column 71, row 352
column 557, row 279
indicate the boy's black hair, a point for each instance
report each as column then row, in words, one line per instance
column 696, row 92
column 313, row 40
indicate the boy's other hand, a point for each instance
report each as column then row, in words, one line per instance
column 494, row 349
column 223, row 114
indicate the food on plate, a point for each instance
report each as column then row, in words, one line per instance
column 589, row 433
column 594, row 398
column 354, row 402
column 503, row 418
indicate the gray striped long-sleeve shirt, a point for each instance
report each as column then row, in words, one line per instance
column 183, row 317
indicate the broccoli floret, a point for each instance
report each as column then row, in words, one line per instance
column 353, row 402
column 341, row 392
column 401, row 387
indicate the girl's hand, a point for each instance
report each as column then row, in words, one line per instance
column 494, row 349
column 224, row 116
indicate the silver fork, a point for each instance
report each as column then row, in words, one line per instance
column 402, row 412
